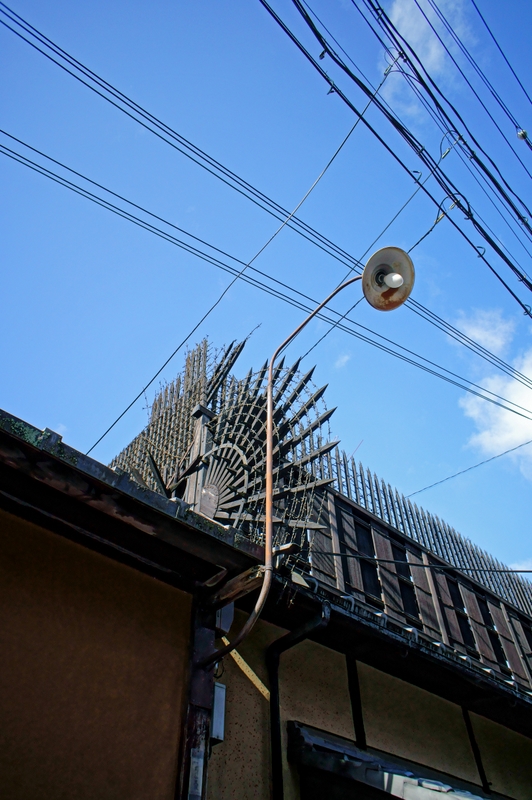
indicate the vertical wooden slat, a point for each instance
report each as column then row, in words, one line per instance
column 447, row 604
column 521, row 639
column 349, row 537
column 480, row 632
column 388, row 576
column 425, row 600
column 509, row 646
column 335, row 539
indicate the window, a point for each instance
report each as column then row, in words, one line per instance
column 461, row 616
column 368, row 569
column 406, row 586
column 492, row 633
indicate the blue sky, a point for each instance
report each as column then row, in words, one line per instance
column 93, row 305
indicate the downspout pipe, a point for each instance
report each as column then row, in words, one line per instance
column 273, row 657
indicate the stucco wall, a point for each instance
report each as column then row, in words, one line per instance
column 94, row 658
column 414, row 724
column 314, row 690
column 507, row 758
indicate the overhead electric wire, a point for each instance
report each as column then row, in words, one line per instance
column 480, row 72
column 499, row 48
column 478, row 177
column 420, row 151
column 468, row 82
column 405, row 47
column 435, row 567
column 437, row 118
column 244, row 268
column 441, row 178
column 266, row 203
column 468, row 469
column 433, row 368
column 415, row 306
column 195, row 153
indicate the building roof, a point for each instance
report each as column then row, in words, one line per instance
column 61, row 489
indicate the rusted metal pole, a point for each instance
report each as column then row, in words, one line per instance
column 268, row 535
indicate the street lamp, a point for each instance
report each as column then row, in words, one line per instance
column 387, row 281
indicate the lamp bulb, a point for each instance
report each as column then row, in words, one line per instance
column 393, row 280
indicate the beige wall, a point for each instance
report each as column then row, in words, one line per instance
column 507, row 758
column 399, row 719
column 93, row 663
column 414, row 724
column 314, row 690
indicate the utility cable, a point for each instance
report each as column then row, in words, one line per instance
column 437, row 117
column 435, row 567
column 442, row 179
column 240, row 274
column 501, row 52
column 420, row 152
column 468, row 469
column 429, row 366
column 404, row 47
column 468, row 82
column 194, row 153
column 480, row 72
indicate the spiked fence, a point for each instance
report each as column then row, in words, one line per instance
column 308, row 461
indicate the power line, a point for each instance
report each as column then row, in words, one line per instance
column 440, row 176
column 429, row 366
column 419, row 149
column 501, row 51
column 436, row 567
column 404, row 47
column 464, row 76
column 480, row 72
column 238, row 275
column 437, row 118
column 203, row 159
column 468, row 469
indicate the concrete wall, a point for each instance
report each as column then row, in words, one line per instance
column 92, row 670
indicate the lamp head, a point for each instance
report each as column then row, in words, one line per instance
column 388, row 278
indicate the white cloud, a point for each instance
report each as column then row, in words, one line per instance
column 341, row 361
column 61, row 429
column 525, row 564
column 497, row 429
column 488, row 328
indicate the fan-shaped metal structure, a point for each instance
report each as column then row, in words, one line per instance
column 218, row 465
column 234, row 478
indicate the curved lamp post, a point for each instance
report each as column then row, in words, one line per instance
column 387, row 281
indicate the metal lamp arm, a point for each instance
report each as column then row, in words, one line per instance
column 268, row 538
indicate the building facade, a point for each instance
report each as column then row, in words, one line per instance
column 393, row 657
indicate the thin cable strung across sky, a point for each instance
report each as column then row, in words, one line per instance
column 468, row 82
column 501, row 52
column 468, row 469
column 444, row 129
column 451, row 192
column 433, row 368
column 442, row 179
column 420, row 73
column 133, row 110
column 416, row 565
column 241, row 273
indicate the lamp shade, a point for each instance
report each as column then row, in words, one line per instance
column 388, row 261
